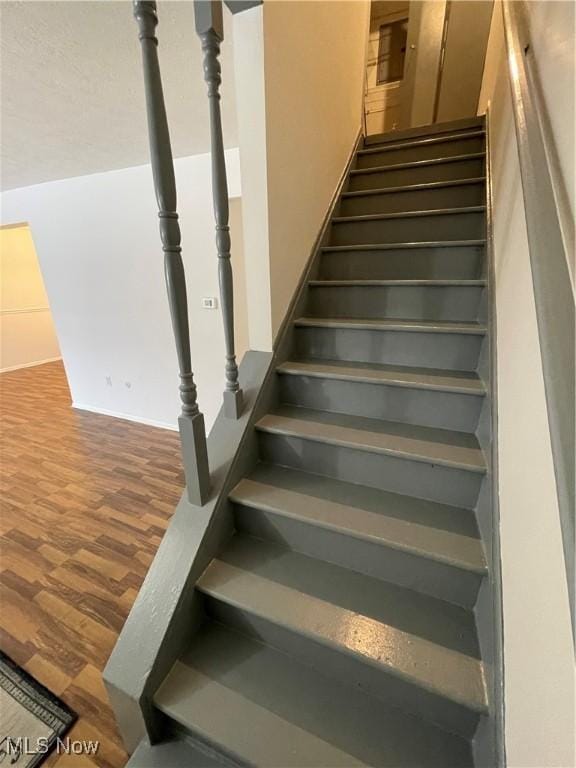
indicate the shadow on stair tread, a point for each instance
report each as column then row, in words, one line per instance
column 429, row 186
column 173, row 753
column 437, row 446
column 419, row 326
column 448, row 128
column 265, row 708
column 464, row 382
column 428, row 529
column 474, row 136
column 397, row 641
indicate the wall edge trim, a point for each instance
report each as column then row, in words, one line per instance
column 124, row 416
column 29, row 365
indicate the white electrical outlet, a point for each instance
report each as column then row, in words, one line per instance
column 209, row 302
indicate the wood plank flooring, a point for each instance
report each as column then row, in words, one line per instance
column 85, row 502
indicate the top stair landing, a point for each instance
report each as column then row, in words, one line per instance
column 427, row 131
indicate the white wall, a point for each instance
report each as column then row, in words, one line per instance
column 99, row 249
column 27, row 335
column 538, row 651
column 300, row 70
column 251, row 118
column 461, row 76
column 315, row 59
column 552, row 37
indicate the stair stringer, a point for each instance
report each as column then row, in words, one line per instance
column 167, row 612
column 488, row 743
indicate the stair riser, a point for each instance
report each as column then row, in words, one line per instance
column 349, row 668
column 412, row 229
column 417, row 200
column 408, row 154
column 446, row 410
column 421, row 350
column 180, row 748
column 446, row 129
column 457, row 169
column 387, row 472
column 432, row 578
column 453, row 263
column 208, row 754
column 449, row 303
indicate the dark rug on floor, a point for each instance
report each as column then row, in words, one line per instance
column 32, row 719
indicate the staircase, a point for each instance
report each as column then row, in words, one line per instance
column 340, row 628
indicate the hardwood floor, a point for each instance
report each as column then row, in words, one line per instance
column 85, row 502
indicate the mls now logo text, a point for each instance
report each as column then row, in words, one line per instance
column 11, row 749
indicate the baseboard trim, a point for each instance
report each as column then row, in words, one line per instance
column 29, row 365
column 23, row 310
column 125, row 417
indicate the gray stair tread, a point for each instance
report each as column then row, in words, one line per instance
column 410, row 214
column 401, row 522
column 414, row 187
column 399, row 283
column 463, row 382
column 267, row 709
column 408, row 246
column 419, row 326
column 420, row 639
column 171, row 754
column 459, row 450
column 421, row 142
column 418, row 163
column 418, row 511
column 459, row 127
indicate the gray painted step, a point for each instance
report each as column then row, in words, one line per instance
column 421, row 343
column 407, row 326
column 432, row 548
column 433, row 464
column 415, row 226
column 457, row 450
column 398, row 283
column 414, row 197
column 466, row 383
column 415, row 137
column 420, row 172
column 405, row 648
column 447, row 260
column 266, row 709
column 413, row 395
column 386, row 472
column 172, row 754
column 421, row 149
column 418, row 299
column 452, row 127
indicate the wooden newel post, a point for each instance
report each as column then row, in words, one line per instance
column 191, row 421
column 210, row 28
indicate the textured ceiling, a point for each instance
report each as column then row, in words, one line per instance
column 72, row 99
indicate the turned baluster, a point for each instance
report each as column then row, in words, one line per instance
column 191, row 421
column 210, row 28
